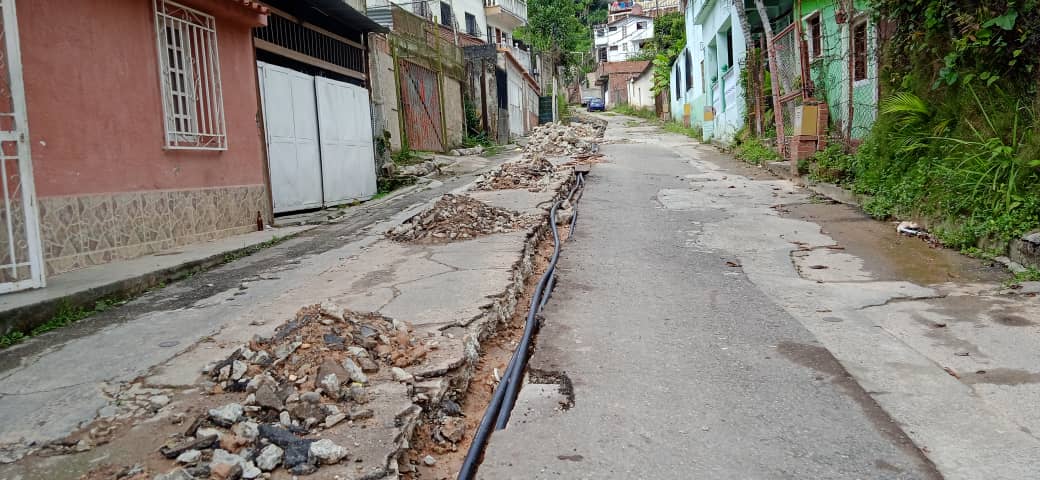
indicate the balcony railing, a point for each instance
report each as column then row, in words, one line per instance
column 516, row 7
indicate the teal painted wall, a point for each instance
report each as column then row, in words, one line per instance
column 831, row 70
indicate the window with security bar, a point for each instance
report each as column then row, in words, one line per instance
column 189, row 71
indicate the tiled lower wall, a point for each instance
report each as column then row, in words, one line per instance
column 79, row 231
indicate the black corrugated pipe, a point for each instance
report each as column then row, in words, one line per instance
column 501, row 405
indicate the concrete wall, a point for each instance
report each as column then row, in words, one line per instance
column 454, row 113
column 107, row 189
column 384, row 89
column 639, row 94
column 831, row 69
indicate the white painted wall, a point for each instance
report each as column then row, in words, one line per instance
column 623, row 38
column 639, row 94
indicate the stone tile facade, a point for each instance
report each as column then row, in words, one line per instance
column 79, row 231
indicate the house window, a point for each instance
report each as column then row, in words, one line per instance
column 612, row 29
column 859, row 51
column 688, row 64
column 422, row 9
column 602, row 54
column 729, row 48
column 815, row 36
column 703, row 83
column 446, row 14
column 471, row 24
column 640, row 25
column 613, row 48
column 675, row 88
column 189, row 69
column 600, row 32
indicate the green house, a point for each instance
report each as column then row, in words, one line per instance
column 842, row 44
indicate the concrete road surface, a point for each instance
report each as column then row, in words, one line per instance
column 693, row 335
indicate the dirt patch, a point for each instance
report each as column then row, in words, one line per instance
column 533, row 172
column 889, row 255
column 458, row 217
column 429, row 439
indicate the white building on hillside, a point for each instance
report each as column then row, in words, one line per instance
column 623, row 39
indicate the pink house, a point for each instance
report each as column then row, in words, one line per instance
column 139, row 120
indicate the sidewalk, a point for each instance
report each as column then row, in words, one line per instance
column 124, row 279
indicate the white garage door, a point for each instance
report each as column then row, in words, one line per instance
column 345, row 133
column 319, row 140
column 293, row 155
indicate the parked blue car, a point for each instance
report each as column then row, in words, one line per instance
column 596, row 105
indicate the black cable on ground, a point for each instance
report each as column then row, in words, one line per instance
column 501, row 405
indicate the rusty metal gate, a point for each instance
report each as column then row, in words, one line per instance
column 21, row 255
column 792, row 77
column 421, row 100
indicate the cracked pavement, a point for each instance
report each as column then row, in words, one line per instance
column 60, row 382
column 716, row 322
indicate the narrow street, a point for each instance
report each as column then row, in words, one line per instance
column 713, row 322
column 708, row 321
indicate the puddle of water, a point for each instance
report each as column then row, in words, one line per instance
column 888, row 255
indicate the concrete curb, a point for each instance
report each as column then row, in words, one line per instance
column 24, row 316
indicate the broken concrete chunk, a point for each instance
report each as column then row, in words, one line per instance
column 246, row 430
column 367, row 365
column 358, row 413
column 331, row 385
column 354, row 371
column 175, row 474
column 401, row 375
column 326, row 452
column 189, row 457
column 250, row 471
column 158, row 401
column 269, row 458
column 202, row 442
column 331, row 309
column 332, row 420
column 358, row 394
column 268, row 397
column 224, row 471
column 238, row 369
column 296, row 449
column 227, row 415
column 310, row 397
column 226, row 465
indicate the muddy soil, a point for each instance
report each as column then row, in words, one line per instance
column 889, row 255
column 494, row 357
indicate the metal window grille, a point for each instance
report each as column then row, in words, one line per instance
column 289, row 34
column 859, row 51
column 189, row 69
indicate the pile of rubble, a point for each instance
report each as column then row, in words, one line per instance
column 529, row 172
column 559, row 139
column 458, row 217
column 311, row 375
